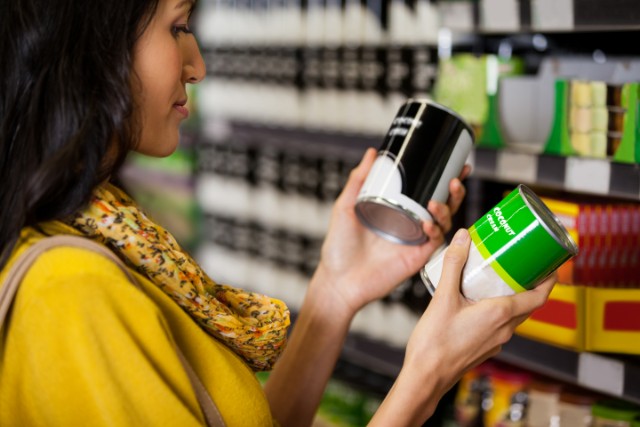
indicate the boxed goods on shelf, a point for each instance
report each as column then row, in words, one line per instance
column 573, row 106
column 612, row 323
column 595, row 119
column 498, row 394
column 588, row 319
column 614, row 413
column 608, row 235
column 561, row 320
column 596, row 306
column 491, row 394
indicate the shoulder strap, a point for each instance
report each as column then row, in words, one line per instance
column 19, row 269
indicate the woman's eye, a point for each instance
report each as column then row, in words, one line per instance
column 183, row 28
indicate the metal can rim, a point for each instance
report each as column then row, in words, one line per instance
column 548, row 220
column 395, row 206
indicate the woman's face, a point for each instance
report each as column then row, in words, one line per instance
column 166, row 58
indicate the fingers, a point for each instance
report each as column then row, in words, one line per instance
column 457, row 193
column 454, row 260
column 356, row 178
column 434, row 232
column 466, row 171
column 441, row 215
column 524, row 303
column 547, row 285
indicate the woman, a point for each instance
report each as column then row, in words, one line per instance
column 82, row 83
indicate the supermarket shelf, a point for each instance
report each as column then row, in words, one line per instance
column 575, row 174
column 614, row 375
column 577, row 16
column 606, row 14
column 373, row 355
column 348, row 146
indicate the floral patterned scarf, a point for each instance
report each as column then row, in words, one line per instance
column 252, row 325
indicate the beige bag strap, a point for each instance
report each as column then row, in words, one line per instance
column 22, row 265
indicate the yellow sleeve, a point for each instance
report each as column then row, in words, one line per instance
column 84, row 347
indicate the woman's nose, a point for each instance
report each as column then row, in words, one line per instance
column 194, row 67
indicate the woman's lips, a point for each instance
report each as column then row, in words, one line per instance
column 180, row 108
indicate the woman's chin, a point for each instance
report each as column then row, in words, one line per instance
column 163, row 149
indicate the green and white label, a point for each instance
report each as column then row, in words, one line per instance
column 517, row 246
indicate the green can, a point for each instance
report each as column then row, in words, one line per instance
column 515, row 246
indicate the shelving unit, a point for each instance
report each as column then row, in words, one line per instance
column 291, row 70
column 611, row 374
column 590, row 176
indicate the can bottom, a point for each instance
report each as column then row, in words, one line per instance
column 391, row 222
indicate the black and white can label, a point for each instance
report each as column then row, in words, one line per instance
column 426, row 146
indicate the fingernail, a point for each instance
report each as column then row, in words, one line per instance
column 460, row 238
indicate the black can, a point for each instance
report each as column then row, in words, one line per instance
column 426, row 146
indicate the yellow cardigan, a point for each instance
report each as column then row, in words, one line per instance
column 84, row 347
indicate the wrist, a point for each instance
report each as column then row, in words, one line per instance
column 414, row 396
column 330, row 295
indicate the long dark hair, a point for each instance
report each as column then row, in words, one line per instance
column 66, row 107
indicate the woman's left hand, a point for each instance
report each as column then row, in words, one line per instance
column 358, row 266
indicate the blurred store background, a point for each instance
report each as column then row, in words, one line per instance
column 297, row 89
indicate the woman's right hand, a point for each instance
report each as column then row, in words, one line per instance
column 452, row 336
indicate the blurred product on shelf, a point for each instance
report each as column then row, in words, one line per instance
column 614, row 413
column 347, row 69
column 343, row 405
column 505, row 403
column 469, row 84
column 357, row 88
column 495, row 394
column 492, row 395
column 588, row 319
column 472, row 388
column 552, row 15
column 574, row 407
column 608, row 235
column 500, row 15
column 597, row 119
column 543, row 404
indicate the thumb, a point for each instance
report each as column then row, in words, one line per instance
column 356, row 179
column 455, row 258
